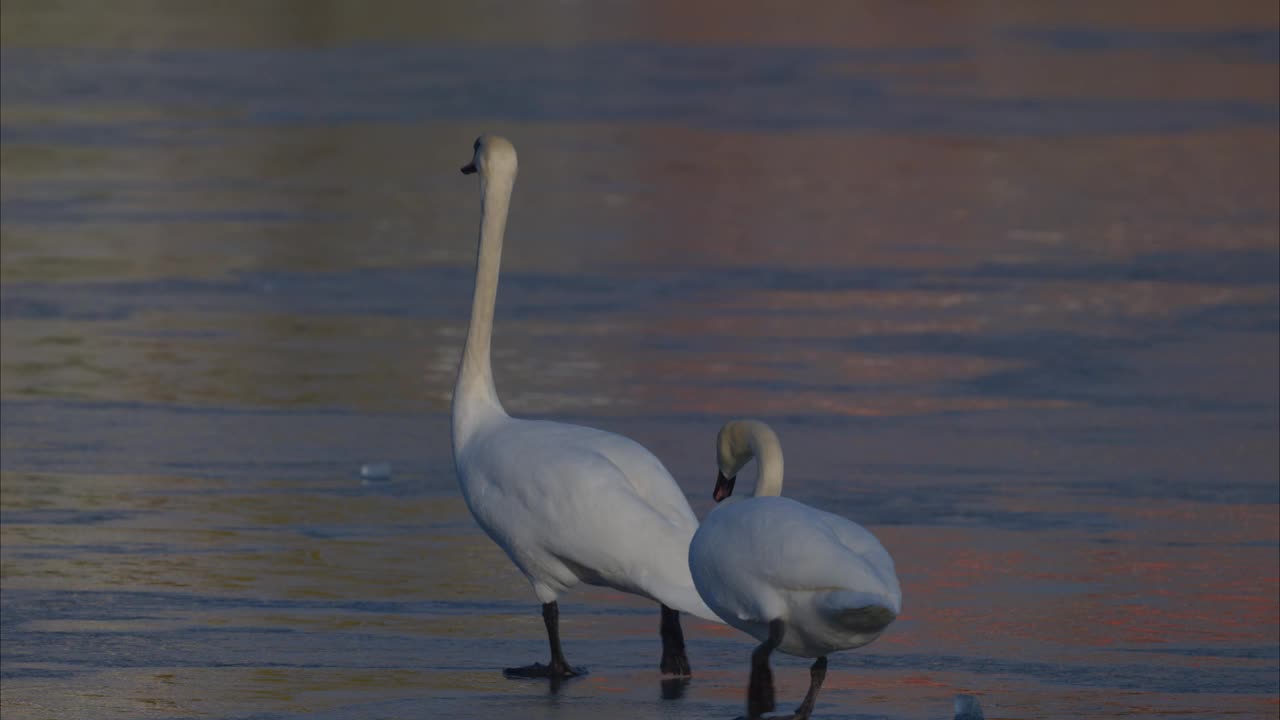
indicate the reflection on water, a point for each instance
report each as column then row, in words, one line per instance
column 1004, row 278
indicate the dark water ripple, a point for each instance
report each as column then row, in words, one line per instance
column 398, row 292
column 1246, row 45
column 773, row 89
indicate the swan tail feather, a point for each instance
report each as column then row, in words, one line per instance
column 856, row 611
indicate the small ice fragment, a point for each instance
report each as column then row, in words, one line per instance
column 968, row 708
column 376, row 471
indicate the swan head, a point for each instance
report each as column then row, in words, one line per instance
column 724, row 486
column 492, row 156
column 737, row 443
column 731, row 455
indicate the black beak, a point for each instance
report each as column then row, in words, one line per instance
column 724, row 486
column 469, row 168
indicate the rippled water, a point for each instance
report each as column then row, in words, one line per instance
column 1004, row 279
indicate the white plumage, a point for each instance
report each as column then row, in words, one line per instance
column 767, row 558
column 800, row 580
column 572, row 505
column 568, row 504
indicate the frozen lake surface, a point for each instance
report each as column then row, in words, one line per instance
column 1007, row 287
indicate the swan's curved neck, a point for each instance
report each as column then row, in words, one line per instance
column 475, row 398
column 768, row 453
column 758, row 440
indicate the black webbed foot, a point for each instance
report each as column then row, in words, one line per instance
column 538, row 670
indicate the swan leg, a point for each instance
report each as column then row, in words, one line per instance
column 760, row 687
column 817, row 673
column 674, row 660
column 559, row 667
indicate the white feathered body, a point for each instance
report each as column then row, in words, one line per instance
column 759, row 559
column 572, row 505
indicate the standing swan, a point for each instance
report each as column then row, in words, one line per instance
column 802, row 581
column 568, row 504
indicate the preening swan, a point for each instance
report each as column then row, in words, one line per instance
column 568, row 504
column 802, row 581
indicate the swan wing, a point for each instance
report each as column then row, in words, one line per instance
column 560, row 507
column 752, row 553
column 801, row 548
column 646, row 475
column 858, row 541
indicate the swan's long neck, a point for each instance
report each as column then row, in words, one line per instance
column 475, row 398
column 764, row 445
column 768, row 454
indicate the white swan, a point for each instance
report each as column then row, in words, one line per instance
column 568, row 504
column 802, row 581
